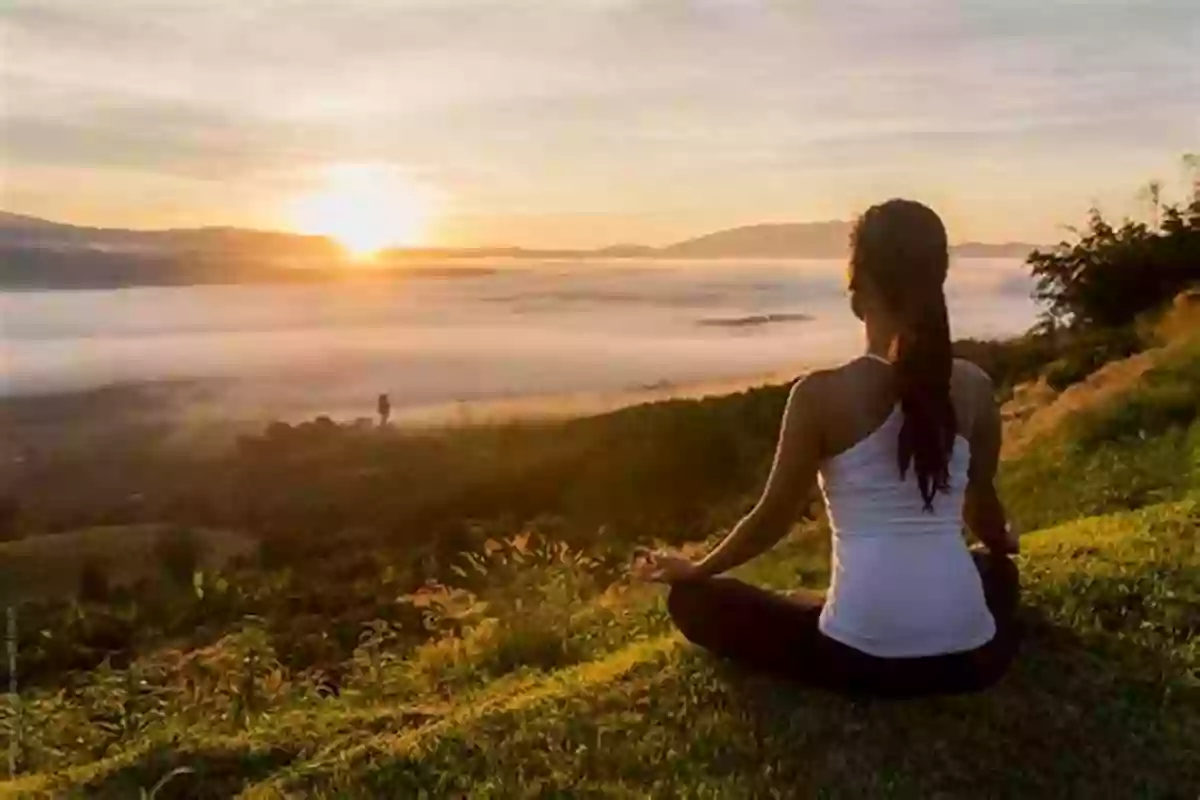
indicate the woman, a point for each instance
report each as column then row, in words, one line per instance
column 904, row 443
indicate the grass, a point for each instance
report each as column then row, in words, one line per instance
column 1139, row 447
column 1105, row 699
column 547, row 680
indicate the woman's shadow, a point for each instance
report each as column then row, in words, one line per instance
column 1074, row 713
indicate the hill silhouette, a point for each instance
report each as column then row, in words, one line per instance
column 40, row 254
column 779, row 240
column 17, row 230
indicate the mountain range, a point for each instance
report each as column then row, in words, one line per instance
column 40, row 254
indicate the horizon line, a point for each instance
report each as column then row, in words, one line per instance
column 471, row 247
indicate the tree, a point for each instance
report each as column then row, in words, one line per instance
column 1191, row 167
column 1151, row 193
column 1111, row 275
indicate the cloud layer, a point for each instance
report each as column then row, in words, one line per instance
column 546, row 329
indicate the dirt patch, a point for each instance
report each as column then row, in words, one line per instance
column 1183, row 319
column 1036, row 410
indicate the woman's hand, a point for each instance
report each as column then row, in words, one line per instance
column 666, row 567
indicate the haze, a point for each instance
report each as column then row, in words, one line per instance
column 528, row 334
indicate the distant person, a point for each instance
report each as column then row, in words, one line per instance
column 384, row 406
column 903, row 442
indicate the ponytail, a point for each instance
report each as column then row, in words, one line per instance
column 923, row 363
column 901, row 247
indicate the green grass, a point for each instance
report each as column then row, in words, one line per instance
column 1139, row 449
column 1070, row 715
column 547, row 680
column 1104, row 700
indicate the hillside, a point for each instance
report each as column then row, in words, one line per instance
column 545, row 676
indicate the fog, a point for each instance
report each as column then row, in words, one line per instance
column 513, row 338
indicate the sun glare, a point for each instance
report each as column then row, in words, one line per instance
column 367, row 208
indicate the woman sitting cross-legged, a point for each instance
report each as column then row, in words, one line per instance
column 904, row 443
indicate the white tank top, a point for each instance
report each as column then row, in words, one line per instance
column 903, row 582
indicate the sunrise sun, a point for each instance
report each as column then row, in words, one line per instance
column 367, row 208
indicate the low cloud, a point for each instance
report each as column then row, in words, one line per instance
column 302, row 350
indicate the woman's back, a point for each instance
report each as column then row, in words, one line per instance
column 905, row 449
column 902, row 580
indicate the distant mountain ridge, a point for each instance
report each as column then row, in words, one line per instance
column 771, row 240
column 24, row 231
column 829, row 239
column 40, row 254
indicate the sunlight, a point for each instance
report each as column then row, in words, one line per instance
column 367, row 208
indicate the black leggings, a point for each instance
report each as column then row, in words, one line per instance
column 778, row 634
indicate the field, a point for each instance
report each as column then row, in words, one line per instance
column 540, row 671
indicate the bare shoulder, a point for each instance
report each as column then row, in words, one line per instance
column 810, row 394
column 971, row 370
column 972, row 377
column 806, row 417
column 814, row 387
column 973, row 394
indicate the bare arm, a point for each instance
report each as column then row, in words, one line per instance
column 793, row 473
column 983, row 511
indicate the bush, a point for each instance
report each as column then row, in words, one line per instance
column 1111, row 275
column 1062, row 356
column 1084, row 352
column 1010, row 361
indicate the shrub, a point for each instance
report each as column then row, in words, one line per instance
column 1011, row 361
column 1112, row 274
column 1062, row 356
column 1084, row 352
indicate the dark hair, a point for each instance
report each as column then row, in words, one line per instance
column 900, row 247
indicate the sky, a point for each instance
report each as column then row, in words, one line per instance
column 589, row 122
